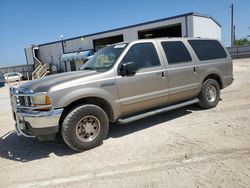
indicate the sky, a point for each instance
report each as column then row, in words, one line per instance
column 26, row 22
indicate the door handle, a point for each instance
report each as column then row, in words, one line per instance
column 164, row 75
column 194, row 68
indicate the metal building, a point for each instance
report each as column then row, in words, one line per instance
column 67, row 54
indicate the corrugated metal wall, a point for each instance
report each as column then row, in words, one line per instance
column 50, row 53
column 128, row 34
column 23, row 69
column 191, row 26
column 205, row 27
column 239, row 51
column 29, row 55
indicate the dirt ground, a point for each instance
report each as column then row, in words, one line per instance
column 188, row 147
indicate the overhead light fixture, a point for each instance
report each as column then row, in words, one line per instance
column 82, row 39
column 149, row 35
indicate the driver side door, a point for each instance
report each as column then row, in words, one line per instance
column 148, row 87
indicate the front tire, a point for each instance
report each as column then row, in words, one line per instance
column 210, row 94
column 85, row 127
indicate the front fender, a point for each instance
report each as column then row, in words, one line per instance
column 61, row 100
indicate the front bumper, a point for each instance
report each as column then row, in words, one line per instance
column 30, row 120
column 30, row 126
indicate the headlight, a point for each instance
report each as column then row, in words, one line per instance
column 39, row 100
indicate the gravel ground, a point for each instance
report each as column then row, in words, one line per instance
column 188, row 147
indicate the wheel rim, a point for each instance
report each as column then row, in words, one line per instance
column 88, row 128
column 211, row 93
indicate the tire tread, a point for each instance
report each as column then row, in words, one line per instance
column 202, row 95
column 67, row 125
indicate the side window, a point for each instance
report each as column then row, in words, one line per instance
column 208, row 49
column 143, row 55
column 176, row 52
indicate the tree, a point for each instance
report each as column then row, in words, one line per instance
column 241, row 41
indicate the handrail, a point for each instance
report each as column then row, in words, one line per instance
column 38, row 61
column 36, row 70
column 41, row 70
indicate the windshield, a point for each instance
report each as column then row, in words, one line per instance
column 104, row 58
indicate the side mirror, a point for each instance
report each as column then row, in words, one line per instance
column 128, row 69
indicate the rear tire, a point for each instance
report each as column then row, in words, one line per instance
column 210, row 94
column 85, row 127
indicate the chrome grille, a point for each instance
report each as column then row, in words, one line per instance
column 13, row 99
column 21, row 102
column 19, row 98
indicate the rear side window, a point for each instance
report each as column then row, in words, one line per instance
column 208, row 49
column 176, row 52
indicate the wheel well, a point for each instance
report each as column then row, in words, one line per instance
column 215, row 77
column 89, row 100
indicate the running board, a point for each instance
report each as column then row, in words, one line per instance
column 158, row 111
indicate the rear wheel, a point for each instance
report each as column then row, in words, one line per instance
column 210, row 94
column 85, row 127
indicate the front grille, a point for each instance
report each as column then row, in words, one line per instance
column 14, row 102
column 21, row 102
column 13, row 99
column 17, row 99
column 24, row 101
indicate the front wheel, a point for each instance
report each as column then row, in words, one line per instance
column 210, row 94
column 85, row 127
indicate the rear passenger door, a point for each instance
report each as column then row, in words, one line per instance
column 182, row 71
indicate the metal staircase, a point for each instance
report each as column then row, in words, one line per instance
column 41, row 69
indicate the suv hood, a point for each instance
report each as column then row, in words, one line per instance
column 44, row 84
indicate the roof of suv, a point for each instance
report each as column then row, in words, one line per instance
column 165, row 39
